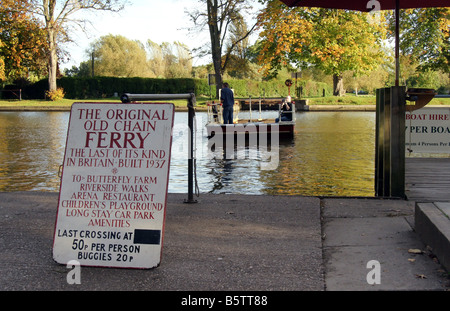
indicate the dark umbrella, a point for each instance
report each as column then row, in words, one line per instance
column 373, row 5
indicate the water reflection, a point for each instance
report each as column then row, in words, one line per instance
column 31, row 150
column 332, row 154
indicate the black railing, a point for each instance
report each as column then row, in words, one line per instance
column 190, row 97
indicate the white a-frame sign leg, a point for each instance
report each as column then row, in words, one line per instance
column 113, row 194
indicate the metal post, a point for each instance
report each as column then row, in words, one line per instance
column 250, row 107
column 260, row 109
column 191, row 115
column 397, row 42
column 387, row 142
column 397, row 147
column 390, row 142
column 379, row 143
column 128, row 98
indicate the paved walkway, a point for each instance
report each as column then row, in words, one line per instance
column 236, row 243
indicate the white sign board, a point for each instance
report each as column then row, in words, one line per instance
column 113, row 193
column 428, row 130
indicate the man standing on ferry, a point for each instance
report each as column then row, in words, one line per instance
column 227, row 98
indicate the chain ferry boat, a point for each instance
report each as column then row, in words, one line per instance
column 283, row 126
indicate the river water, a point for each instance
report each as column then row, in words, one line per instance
column 332, row 154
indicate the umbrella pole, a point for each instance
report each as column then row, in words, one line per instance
column 397, row 41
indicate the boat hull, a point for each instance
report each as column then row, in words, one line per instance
column 249, row 130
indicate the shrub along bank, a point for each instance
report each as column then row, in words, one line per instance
column 104, row 87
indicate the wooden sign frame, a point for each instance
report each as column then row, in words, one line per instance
column 113, row 194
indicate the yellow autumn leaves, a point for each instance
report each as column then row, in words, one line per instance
column 333, row 40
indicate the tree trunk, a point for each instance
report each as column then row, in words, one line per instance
column 216, row 49
column 49, row 9
column 338, row 85
column 52, row 60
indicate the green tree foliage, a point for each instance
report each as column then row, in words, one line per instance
column 117, row 56
column 238, row 53
column 366, row 83
column 84, row 70
column 425, row 36
column 425, row 48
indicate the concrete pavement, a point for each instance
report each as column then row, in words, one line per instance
column 236, row 243
column 360, row 230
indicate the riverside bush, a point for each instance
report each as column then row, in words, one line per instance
column 57, row 94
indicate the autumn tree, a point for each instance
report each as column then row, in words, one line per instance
column 22, row 41
column 156, row 58
column 183, row 66
column 332, row 40
column 169, row 60
column 58, row 16
column 218, row 16
column 2, row 67
column 2, row 63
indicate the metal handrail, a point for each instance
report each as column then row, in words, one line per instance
column 128, row 98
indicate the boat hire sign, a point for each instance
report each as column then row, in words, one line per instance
column 113, row 193
column 428, row 130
